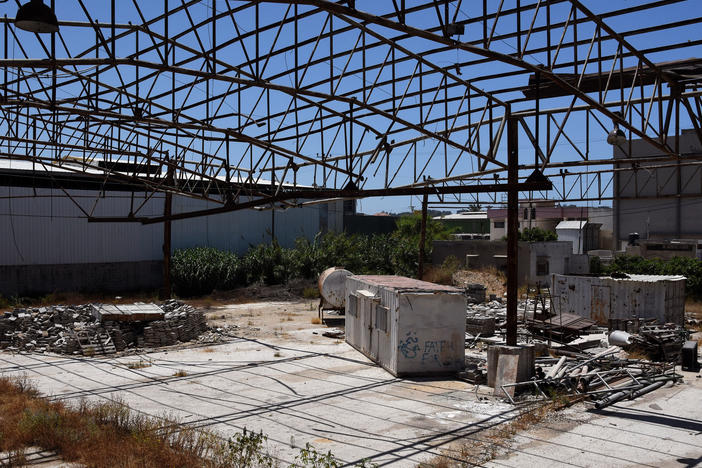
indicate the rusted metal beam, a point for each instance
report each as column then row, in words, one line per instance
column 512, row 229
column 315, row 194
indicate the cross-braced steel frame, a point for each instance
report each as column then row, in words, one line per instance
column 263, row 103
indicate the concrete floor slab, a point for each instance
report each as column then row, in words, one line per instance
column 324, row 393
column 661, row 429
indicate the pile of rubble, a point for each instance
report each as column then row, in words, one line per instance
column 604, row 378
column 78, row 329
column 595, row 360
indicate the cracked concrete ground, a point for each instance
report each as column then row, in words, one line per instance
column 295, row 386
column 280, row 376
column 660, row 429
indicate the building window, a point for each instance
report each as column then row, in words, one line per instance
column 353, row 305
column 381, row 318
column 499, row 224
column 526, row 213
column 541, row 266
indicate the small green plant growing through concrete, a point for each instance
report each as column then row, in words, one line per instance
column 309, row 457
column 246, row 449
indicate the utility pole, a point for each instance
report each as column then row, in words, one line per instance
column 512, row 229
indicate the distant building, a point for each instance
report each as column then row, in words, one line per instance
column 537, row 261
column 665, row 250
column 547, row 214
column 658, row 200
column 584, row 236
column 544, row 214
column 468, row 224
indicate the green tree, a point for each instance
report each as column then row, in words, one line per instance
column 406, row 239
column 536, row 234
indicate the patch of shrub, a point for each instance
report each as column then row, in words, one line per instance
column 200, row 270
column 691, row 268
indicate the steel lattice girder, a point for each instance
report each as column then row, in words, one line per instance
column 277, row 101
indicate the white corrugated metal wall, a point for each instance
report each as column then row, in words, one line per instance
column 44, row 227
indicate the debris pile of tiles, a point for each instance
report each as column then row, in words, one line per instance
column 100, row 329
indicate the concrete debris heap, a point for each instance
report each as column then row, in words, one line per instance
column 82, row 329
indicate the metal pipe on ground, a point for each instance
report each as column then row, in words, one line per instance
column 554, row 370
column 644, row 387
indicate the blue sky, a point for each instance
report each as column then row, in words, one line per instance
column 78, row 39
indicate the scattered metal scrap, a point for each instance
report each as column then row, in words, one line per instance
column 600, row 375
column 602, row 378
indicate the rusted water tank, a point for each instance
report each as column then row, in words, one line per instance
column 332, row 286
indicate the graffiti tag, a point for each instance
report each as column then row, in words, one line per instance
column 409, row 346
column 438, row 351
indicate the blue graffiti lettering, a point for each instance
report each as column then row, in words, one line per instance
column 409, row 346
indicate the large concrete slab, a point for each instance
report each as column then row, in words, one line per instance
column 322, row 392
column 661, row 429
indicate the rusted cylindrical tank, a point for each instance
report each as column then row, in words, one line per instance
column 332, row 287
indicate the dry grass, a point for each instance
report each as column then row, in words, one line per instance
column 208, row 350
column 637, row 353
column 493, row 279
column 140, row 364
column 442, row 274
column 310, row 293
column 491, row 443
column 315, row 320
column 693, row 309
column 180, row 373
column 99, row 434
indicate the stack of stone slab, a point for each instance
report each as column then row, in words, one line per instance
column 137, row 312
column 94, row 329
column 182, row 323
column 475, row 293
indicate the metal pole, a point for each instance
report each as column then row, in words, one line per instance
column 512, row 229
column 167, row 207
column 422, row 236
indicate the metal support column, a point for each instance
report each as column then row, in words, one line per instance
column 167, row 207
column 512, row 229
column 422, row 236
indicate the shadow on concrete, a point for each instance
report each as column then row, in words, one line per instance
column 653, row 418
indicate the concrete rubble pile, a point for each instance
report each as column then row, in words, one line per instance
column 657, row 342
column 74, row 329
column 603, row 378
column 484, row 320
column 588, row 365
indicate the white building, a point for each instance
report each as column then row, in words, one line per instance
column 583, row 235
column 659, row 200
column 50, row 245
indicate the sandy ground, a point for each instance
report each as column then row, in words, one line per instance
column 269, row 319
